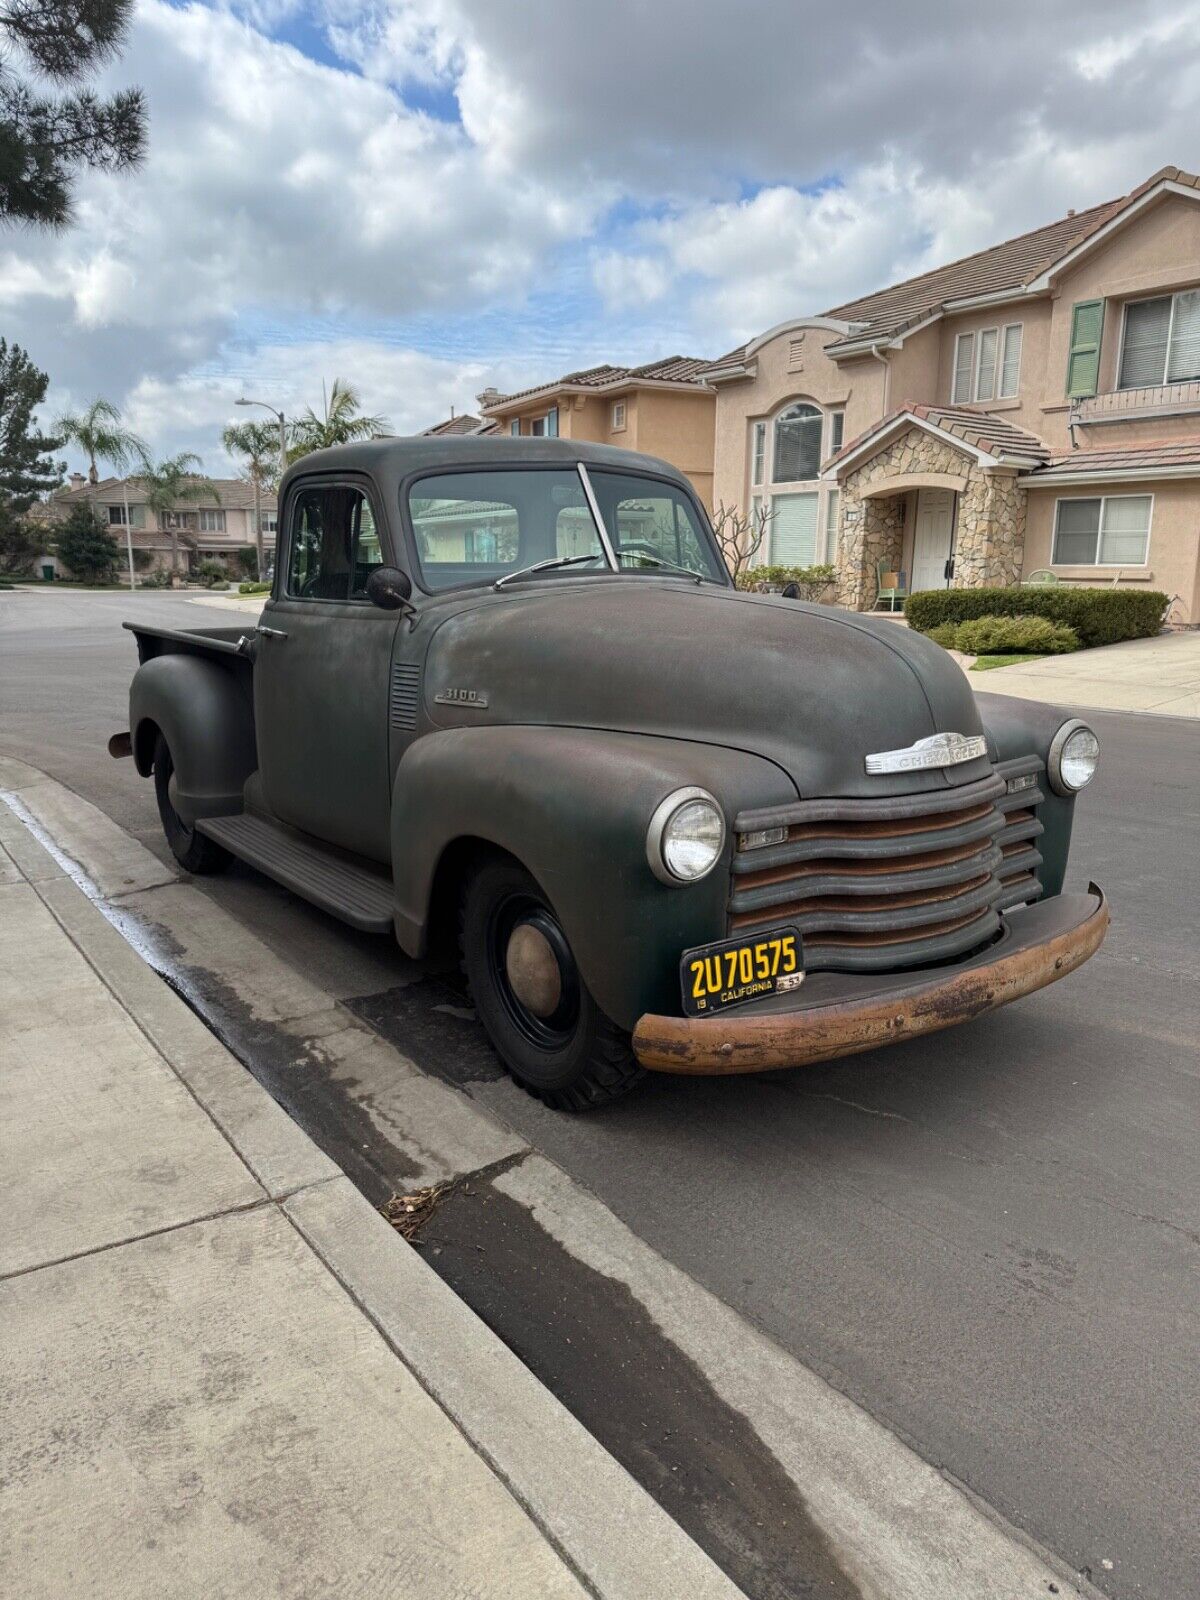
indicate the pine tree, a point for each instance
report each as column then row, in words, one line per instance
column 26, row 466
column 46, row 138
column 85, row 545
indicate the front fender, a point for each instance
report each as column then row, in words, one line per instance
column 573, row 806
column 205, row 711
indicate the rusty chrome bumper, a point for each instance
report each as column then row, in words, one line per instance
column 835, row 1014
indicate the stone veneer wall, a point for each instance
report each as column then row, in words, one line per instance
column 990, row 532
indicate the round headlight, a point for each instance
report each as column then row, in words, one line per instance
column 1074, row 751
column 686, row 836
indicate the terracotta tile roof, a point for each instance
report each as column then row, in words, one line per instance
column 1010, row 265
column 236, row 495
column 672, row 369
column 991, row 434
column 1165, row 453
column 461, row 425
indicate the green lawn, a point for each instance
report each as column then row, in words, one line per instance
column 987, row 663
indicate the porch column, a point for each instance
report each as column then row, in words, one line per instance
column 989, row 542
column 871, row 531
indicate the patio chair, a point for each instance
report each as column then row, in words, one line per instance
column 1043, row 578
column 890, row 587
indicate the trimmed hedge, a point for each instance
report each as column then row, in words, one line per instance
column 998, row 636
column 254, row 588
column 1098, row 616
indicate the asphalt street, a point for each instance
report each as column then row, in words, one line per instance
column 988, row 1239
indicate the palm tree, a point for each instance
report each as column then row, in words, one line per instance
column 98, row 433
column 257, row 443
column 176, row 479
column 341, row 423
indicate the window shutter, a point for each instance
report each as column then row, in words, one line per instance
column 1083, row 362
column 964, row 366
column 794, row 530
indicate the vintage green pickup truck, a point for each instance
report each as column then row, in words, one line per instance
column 504, row 698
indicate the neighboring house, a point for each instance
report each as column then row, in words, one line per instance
column 466, row 424
column 663, row 409
column 1036, row 405
column 207, row 530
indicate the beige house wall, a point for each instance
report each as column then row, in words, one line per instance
column 677, row 425
column 1173, row 557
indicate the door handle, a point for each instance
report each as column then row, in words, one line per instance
column 270, row 633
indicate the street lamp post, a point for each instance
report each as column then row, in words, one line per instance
column 283, row 460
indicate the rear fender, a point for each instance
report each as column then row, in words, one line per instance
column 573, row 806
column 204, row 710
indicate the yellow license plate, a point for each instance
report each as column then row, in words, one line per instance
column 731, row 971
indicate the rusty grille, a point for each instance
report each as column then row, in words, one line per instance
column 906, row 880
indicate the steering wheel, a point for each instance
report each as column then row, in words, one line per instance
column 640, row 546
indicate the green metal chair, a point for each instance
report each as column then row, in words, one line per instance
column 1043, row 578
column 889, row 586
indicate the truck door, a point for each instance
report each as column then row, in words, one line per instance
column 321, row 673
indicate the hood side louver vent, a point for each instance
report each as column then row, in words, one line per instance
column 405, row 696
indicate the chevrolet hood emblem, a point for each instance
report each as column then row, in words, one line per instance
column 939, row 750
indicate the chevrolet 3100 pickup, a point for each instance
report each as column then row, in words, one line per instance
column 504, row 697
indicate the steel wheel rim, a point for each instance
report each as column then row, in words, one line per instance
column 554, row 1032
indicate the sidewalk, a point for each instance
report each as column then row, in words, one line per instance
column 1157, row 675
column 198, row 1401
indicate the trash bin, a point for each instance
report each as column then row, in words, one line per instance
column 48, row 571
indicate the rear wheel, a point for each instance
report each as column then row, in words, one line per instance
column 193, row 851
column 544, row 1025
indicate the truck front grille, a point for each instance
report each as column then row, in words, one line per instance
column 902, row 881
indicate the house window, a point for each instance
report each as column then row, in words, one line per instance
column 514, row 427
column 797, row 444
column 212, row 522
column 268, row 521
column 837, row 427
column 618, row 416
column 760, row 451
column 964, row 368
column 1010, row 362
column 1104, row 531
column 137, row 516
column 794, row 530
column 545, row 427
column 1161, row 341
column 831, row 523
column 986, row 366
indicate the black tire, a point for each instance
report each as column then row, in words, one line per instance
column 193, row 851
column 574, row 1060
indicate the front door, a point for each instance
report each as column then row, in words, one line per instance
column 933, row 539
column 321, row 675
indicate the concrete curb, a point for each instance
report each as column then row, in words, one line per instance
column 611, row 1533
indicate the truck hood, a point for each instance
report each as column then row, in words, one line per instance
column 812, row 688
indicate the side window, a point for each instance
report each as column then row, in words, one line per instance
column 334, row 545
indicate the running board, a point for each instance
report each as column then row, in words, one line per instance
column 355, row 894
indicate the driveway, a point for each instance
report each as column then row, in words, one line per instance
column 1159, row 675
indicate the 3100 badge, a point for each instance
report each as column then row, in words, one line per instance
column 716, row 976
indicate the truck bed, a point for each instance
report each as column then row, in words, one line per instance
column 153, row 641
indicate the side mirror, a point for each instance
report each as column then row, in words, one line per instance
column 791, row 591
column 389, row 588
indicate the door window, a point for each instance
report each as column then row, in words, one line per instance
column 335, row 543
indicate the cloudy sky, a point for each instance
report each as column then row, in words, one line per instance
column 428, row 196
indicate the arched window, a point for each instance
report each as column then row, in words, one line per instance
column 797, row 445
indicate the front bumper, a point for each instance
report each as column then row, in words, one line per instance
column 839, row 1014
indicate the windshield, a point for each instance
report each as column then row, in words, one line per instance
column 475, row 527
column 478, row 526
column 651, row 521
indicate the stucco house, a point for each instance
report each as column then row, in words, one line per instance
column 1033, row 406
column 464, row 424
column 213, row 529
column 664, row 408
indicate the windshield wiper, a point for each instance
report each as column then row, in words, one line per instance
column 667, row 566
column 544, row 566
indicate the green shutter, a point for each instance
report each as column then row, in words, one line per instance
column 1083, row 362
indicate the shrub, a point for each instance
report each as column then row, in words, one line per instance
column 1098, row 616
column 945, row 634
column 158, row 579
column 247, row 560
column 811, row 581
column 210, row 573
column 84, row 543
column 254, row 588
column 1000, row 636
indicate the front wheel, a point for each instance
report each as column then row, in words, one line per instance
column 193, row 851
column 544, row 1025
